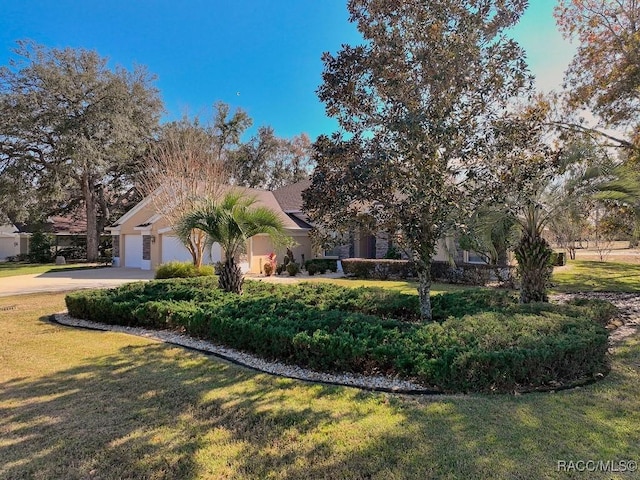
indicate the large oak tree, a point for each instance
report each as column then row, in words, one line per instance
column 414, row 102
column 72, row 130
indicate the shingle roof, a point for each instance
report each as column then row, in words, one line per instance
column 290, row 197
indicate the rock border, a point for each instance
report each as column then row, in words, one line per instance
column 376, row 383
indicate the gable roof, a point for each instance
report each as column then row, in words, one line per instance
column 264, row 198
column 290, row 197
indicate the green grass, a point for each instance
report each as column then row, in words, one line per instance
column 593, row 276
column 10, row 269
column 401, row 286
column 82, row 404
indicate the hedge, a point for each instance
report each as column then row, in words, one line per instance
column 321, row 265
column 183, row 270
column 332, row 328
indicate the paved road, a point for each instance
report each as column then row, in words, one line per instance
column 63, row 280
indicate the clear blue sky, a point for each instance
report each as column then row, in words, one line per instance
column 261, row 55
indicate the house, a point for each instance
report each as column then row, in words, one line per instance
column 12, row 242
column 144, row 239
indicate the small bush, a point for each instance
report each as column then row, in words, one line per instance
column 183, row 270
column 293, row 269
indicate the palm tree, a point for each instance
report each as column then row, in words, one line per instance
column 231, row 222
column 624, row 189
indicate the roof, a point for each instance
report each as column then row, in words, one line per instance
column 72, row 225
column 290, row 197
column 264, row 198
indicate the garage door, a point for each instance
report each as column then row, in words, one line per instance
column 133, row 251
column 173, row 250
column 7, row 247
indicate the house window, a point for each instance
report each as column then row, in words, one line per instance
column 473, row 257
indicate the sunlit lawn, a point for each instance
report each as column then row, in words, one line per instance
column 10, row 269
column 583, row 275
column 83, row 404
column 402, row 286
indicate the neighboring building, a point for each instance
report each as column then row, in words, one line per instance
column 143, row 239
column 12, row 242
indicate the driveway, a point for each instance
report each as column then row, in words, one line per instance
column 63, row 280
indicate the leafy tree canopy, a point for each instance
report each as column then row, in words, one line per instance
column 71, row 132
column 605, row 73
column 416, row 101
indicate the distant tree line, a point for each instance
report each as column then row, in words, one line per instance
column 76, row 135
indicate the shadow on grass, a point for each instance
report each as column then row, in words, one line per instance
column 154, row 411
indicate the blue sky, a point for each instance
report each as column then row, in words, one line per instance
column 260, row 55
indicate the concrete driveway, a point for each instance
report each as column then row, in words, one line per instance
column 63, row 280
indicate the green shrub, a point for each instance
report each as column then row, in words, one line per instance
column 40, row 245
column 293, row 269
column 502, row 346
column 183, row 270
column 377, row 268
column 321, row 265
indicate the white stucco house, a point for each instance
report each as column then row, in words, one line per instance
column 144, row 239
column 12, row 242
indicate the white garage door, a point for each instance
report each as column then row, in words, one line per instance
column 173, row 250
column 133, row 251
column 7, row 247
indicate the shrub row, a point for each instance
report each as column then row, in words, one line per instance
column 327, row 327
column 321, row 265
column 465, row 274
column 377, row 268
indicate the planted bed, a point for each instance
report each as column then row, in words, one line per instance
column 480, row 340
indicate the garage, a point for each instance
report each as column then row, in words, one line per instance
column 173, row 250
column 133, row 251
column 8, row 246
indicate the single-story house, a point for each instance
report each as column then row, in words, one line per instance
column 144, row 239
column 12, row 242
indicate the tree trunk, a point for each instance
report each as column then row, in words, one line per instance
column 93, row 236
column 231, row 279
column 533, row 254
column 424, row 290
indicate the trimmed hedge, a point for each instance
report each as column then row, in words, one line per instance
column 183, row 270
column 321, row 265
column 332, row 328
column 464, row 274
column 377, row 268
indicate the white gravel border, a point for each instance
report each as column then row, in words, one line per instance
column 375, row 383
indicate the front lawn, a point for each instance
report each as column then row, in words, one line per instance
column 84, row 404
column 594, row 276
column 11, row 269
column 401, row 286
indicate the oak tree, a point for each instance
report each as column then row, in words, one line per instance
column 72, row 130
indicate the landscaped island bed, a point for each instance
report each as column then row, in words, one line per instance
column 482, row 339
